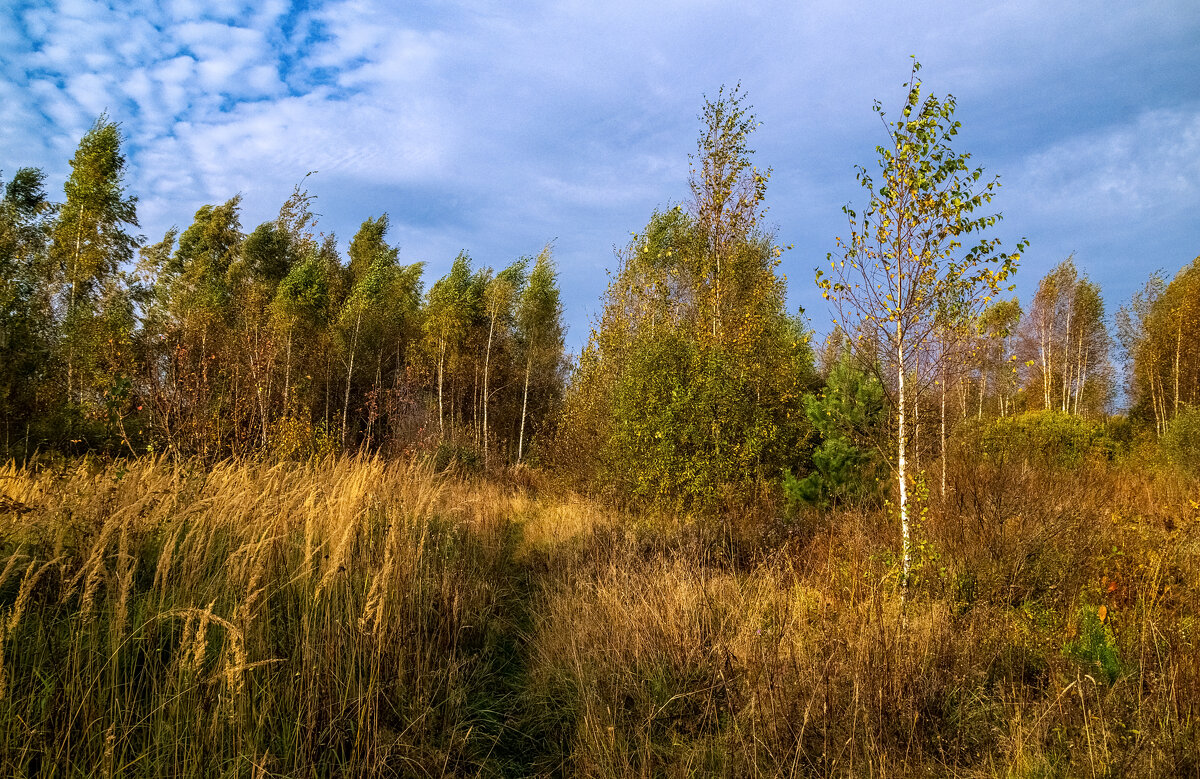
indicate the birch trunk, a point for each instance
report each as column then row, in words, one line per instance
column 1178, row 349
column 943, row 430
column 905, row 560
column 349, row 376
column 524, row 407
column 441, row 372
column 487, row 364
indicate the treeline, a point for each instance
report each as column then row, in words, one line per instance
column 215, row 342
column 696, row 385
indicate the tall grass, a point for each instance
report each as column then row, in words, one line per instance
column 1050, row 630
column 246, row 620
column 363, row 618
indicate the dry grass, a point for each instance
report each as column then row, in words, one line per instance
column 1051, row 632
column 358, row 617
column 250, row 619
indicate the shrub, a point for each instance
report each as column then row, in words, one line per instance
column 1094, row 647
column 1181, row 441
column 1047, row 438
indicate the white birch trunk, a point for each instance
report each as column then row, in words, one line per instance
column 487, row 363
column 905, row 559
column 524, row 407
column 349, row 374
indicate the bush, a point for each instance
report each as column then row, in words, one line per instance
column 1094, row 647
column 451, row 455
column 1047, row 438
column 1181, row 441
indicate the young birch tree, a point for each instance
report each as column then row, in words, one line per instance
column 89, row 244
column 917, row 245
column 539, row 328
column 498, row 297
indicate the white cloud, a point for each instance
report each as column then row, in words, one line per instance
column 497, row 126
column 1126, row 171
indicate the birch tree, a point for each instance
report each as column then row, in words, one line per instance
column 90, row 243
column 689, row 389
column 1066, row 342
column 1160, row 329
column 917, row 243
column 539, row 331
column 499, row 296
column 994, row 356
column 26, row 321
column 449, row 310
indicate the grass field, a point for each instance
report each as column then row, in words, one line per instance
column 367, row 618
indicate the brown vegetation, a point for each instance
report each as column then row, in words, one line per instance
column 359, row 617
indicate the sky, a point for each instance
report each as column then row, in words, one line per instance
column 497, row 127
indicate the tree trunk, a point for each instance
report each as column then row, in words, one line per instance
column 487, row 364
column 524, row 406
column 982, row 391
column 375, row 390
column 260, row 383
column 1063, row 391
column 1047, row 363
column 441, row 372
column 1081, row 355
column 943, row 430
column 74, row 271
column 916, row 447
column 287, row 373
column 349, row 374
column 905, row 559
column 1081, row 377
column 1178, row 348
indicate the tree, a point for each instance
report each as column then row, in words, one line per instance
column 89, row 245
column 499, row 296
column 301, row 306
column 1138, row 351
column 201, row 267
column 1161, row 330
column 689, row 389
column 269, row 254
column 368, row 245
column 727, row 191
column 539, row 331
column 995, row 369
column 1066, row 343
column 382, row 308
column 847, row 414
column 26, row 316
column 907, row 255
column 398, row 331
column 451, row 307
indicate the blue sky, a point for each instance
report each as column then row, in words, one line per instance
column 496, row 127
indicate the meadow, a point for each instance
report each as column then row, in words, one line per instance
column 361, row 617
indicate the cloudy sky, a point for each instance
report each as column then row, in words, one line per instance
column 497, row 126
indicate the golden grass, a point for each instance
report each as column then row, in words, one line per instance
column 166, row 620
column 363, row 617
